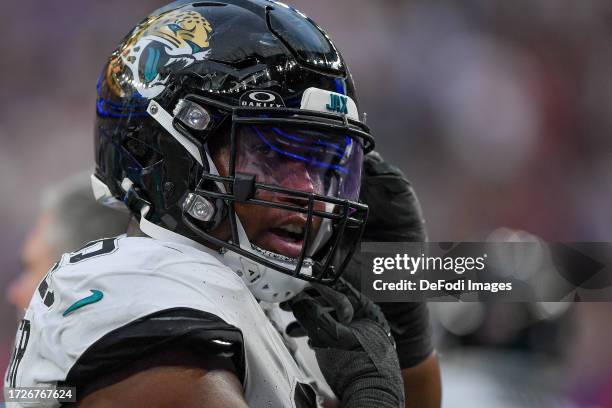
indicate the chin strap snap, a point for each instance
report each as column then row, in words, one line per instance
column 132, row 199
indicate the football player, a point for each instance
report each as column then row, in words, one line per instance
column 231, row 132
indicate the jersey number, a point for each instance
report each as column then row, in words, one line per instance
column 23, row 335
column 92, row 249
column 95, row 248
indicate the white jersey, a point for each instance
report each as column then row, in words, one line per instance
column 112, row 283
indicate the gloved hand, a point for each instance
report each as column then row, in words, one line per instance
column 352, row 344
column 395, row 212
column 395, row 216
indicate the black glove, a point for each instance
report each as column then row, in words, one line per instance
column 395, row 216
column 353, row 345
column 395, row 212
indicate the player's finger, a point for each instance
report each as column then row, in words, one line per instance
column 319, row 325
column 357, row 299
column 338, row 301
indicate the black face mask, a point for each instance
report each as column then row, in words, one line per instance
column 305, row 167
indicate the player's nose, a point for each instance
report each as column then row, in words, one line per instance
column 298, row 177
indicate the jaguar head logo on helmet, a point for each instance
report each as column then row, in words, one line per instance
column 149, row 51
column 248, row 146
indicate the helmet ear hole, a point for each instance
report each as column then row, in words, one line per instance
column 141, row 152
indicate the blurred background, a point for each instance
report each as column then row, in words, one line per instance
column 499, row 112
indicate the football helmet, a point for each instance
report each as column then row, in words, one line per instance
column 217, row 119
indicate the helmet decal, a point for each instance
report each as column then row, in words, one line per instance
column 174, row 37
column 327, row 101
column 262, row 99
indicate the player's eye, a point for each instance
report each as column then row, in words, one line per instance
column 264, row 150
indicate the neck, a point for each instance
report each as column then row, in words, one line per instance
column 133, row 229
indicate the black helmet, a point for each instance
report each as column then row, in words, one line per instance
column 211, row 110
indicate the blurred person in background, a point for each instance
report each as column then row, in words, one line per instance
column 70, row 217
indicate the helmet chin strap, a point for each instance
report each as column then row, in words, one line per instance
column 264, row 283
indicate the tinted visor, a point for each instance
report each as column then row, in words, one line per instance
column 324, row 162
column 304, row 167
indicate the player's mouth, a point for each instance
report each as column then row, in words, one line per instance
column 287, row 238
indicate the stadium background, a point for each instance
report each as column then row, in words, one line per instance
column 499, row 112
